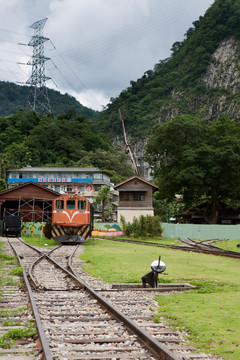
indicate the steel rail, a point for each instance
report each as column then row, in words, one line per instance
column 155, row 347
column 39, row 251
column 218, row 252
column 43, row 339
column 31, row 269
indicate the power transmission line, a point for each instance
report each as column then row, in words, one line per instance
column 38, row 95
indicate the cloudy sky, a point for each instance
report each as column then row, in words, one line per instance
column 96, row 47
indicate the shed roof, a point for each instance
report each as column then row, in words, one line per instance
column 24, row 190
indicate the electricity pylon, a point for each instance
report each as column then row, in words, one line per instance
column 38, row 95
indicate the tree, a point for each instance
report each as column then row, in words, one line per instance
column 3, row 185
column 103, row 199
column 197, row 159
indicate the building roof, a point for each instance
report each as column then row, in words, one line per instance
column 56, row 169
column 135, row 177
column 18, row 188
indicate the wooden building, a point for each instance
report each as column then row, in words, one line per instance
column 135, row 198
column 31, row 201
column 226, row 215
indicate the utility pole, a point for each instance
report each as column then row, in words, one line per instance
column 38, row 95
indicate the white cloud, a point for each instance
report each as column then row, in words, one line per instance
column 101, row 45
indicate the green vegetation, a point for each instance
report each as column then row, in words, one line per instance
column 228, row 245
column 10, row 277
column 209, row 319
column 7, row 258
column 7, row 340
column 6, row 279
column 207, row 314
column 173, row 86
column 39, row 241
column 102, row 201
column 199, row 160
column 10, row 323
column 13, row 98
column 25, row 140
column 144, row 227
column 17, row 271
column 8, row 312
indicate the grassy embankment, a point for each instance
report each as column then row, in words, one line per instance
column 209, row 314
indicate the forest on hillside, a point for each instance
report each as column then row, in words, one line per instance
column 26, row 138
column 142, row 102
column 14, row 97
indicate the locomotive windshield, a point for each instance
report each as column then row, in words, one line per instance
column 70, row 204
column 81, row 205
column 59, row 204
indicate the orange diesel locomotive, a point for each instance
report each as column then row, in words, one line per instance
column 72, row 219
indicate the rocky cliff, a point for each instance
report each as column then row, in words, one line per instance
column 221, row 82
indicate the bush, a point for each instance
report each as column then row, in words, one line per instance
column 149, row 220
column 145, row 226
column 157, row 228
column 128, row 229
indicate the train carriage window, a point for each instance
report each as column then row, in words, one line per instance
column 81, row 205
column 70, row 204
column 59, row 204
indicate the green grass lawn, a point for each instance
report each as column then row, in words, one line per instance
column 39, row 241
column 228, row 245
column 209, row 314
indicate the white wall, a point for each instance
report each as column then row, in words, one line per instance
column 129, row 214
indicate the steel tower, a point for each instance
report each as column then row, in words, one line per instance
column 38, row 95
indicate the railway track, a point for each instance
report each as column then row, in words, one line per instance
column 188, row 245
column 81, row 318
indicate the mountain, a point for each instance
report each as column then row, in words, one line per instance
column 14, row 97
column 202, row 78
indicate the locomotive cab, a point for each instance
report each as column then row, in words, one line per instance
column 72, row 219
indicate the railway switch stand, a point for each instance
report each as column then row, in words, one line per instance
column 151, row 278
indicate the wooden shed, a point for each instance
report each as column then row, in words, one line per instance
column 31, row 201
column 135, row 198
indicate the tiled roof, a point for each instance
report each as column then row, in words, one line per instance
column 57, row 169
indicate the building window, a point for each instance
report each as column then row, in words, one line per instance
column 138, row 196
column 132, row 196
column 97, row 176
column 97, row 187
column 125, row 196
column 69, row 188
column 71, row 204
column 27, row 176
